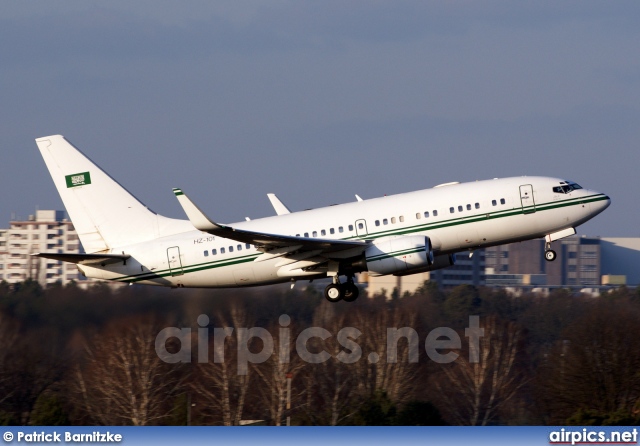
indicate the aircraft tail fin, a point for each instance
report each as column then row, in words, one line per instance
column 104, row 214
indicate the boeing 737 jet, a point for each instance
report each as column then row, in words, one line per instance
column 399, row 234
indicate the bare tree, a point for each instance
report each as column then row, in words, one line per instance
column 122, row 380
column 273, row 373
column 390, row 341
column 218, row 382
column 478, row 383
column 595, row 367
column 330, row 385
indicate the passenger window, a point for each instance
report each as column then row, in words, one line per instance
column 435, row 213
column 323, row 232
column 306, row 234
column 468, row 207
column 494, row 202
column 214, row 252
column 360, row 226
column 350, row 227
column 426, row 214
column 340, row 229
column 460, row 208
column 502, row 201
column 401, row 218
column 248, row 246
column 332, row 231
column 221, row 250
column 230, row 248
column 393, row 220
column 477, row 205
column 206, row 253
column 384, row 222
column 315, row 233
column 239, row 247
column 377, row 223
column 418, row 216
column 452, row 210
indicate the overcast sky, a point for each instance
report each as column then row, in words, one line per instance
column 316, row 101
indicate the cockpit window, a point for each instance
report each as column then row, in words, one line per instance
column 567, row 187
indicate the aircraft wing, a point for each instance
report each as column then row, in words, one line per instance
column 274, row 244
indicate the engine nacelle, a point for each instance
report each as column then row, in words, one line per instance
column 439, row 262
column 397, row 255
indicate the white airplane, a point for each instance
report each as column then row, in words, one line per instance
column 400, row 234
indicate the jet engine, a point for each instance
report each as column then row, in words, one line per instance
column 398, row 255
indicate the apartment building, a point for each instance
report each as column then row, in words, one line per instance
column 46, row 231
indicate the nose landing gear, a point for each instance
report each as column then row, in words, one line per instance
column 549, row 254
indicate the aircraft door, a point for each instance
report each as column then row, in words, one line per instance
column 174, row 261
column 361, row 228
column 527, row 200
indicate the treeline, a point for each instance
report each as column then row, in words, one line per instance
column 152, row 356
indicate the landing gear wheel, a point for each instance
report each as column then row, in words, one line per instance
column 333, row 292
column 350, row 291
column 550, row 255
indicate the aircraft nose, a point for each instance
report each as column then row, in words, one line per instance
column 601, row 204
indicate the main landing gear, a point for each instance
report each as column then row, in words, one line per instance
column 549, row 254
column 337, row 291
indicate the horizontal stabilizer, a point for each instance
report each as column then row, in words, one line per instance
column 85, row 259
